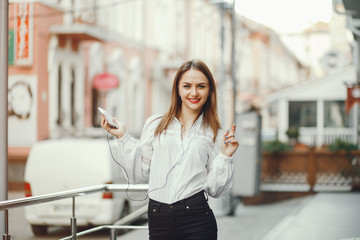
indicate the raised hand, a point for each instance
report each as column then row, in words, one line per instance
column 229, row 144
column 117, row 132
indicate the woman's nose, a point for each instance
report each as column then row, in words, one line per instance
column 194, row 91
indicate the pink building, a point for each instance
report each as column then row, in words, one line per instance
column 28, row 79
column 59, row 73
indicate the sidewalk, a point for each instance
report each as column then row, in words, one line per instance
column 328, row 216
column 324, row 216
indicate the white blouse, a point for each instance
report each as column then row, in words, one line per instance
column 176, row 168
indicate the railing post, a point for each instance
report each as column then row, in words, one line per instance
column 6, row 236
column 113, row 234
column 4, row 39
column 311, row 168
column 73, row 221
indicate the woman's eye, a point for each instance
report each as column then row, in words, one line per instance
column 201, row 86
column 186, row 86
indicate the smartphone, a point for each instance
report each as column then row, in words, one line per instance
column 108, row 117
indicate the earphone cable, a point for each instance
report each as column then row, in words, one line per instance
column 126, row 173
column 167, row 175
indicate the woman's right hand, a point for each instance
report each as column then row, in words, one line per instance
column 117, row 132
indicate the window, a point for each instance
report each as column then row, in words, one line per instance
column 72, row 99
column 302, row 114
column 334, row 114
column 273, row 114
column 96, row 102
column 59, row 120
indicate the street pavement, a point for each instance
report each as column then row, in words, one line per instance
column 327, row 216
column 323, row 216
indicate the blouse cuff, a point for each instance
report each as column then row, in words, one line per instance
column 124, row 138
column 226, row 158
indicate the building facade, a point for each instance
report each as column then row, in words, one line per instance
column 317, row 106
column 67, row 57
column 319, row 114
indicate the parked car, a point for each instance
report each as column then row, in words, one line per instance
column 64, row 164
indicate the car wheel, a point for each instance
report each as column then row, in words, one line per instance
column 39, row 230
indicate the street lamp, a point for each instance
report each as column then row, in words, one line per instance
column 352, row 9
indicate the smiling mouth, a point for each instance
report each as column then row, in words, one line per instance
column 194, row 100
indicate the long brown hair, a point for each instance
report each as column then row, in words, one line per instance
column 209, row 110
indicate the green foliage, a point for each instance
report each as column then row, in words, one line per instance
column 354, row 169
column 275, row 146
column 342, row 145
column 293, row 133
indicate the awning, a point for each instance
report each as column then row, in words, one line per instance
column 105, row 81
column 81, row 32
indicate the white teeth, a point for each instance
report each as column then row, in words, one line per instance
column 194, row 100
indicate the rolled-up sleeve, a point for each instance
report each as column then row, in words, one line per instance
column 134, row 155
column 219, row 171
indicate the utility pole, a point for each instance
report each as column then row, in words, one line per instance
column 356, row 108
column 357, row 67
column 233, row 58
column 224, row 8
column 4, row 18
column 222, row 72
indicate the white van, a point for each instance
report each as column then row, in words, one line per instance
column 64, row 164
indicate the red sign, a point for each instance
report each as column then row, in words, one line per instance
column 353, row 96
column 24, row 33
column 105, row 81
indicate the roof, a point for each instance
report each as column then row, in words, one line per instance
column 328, row 87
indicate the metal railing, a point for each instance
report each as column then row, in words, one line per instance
column 22, row 202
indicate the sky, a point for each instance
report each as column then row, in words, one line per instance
column 286, row 15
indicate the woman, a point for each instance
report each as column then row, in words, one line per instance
column 185, row 154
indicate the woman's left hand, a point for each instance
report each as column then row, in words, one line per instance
column 229, row 144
